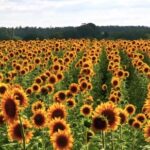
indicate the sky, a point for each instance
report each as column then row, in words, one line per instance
column 59, row 13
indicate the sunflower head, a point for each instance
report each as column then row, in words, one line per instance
column 58, row 124
column 57, row 110
column 39, row 119
column 99, row 123
column 130, row 109
column 9, row 107
column 62, row 140
column 86, row 110
column 15, row 131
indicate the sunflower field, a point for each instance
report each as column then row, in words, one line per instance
column 75, row 95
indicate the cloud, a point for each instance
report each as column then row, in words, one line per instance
column 73, row 12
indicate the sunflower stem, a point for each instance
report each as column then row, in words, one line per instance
column 121, row 136
column 133, row 141
column 103, row 139
column 22, row 132
column 112, row 141
column 43, row 140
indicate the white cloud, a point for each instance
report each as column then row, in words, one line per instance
column 73, row 12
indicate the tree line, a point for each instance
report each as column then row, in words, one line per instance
column 88, row 30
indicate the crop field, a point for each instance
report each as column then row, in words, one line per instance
column 75, row 95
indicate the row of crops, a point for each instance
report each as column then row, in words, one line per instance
column 75, row 95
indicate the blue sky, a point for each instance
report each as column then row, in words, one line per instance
column 46, row 13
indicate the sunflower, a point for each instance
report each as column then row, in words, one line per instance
column 86, row 110
column 57, row 110
column 130, row 109
column 28, row 91
column 62, row 140
column 9, row 107
column 15, row 131
column 35, row 87
column 110, row 112
column 131, row 120
column 39, row 119
column 21, row 97
column 50, row 88
column 115, row 82
column 104, row 87
column 99, row 123
column 73, row 88
column 52, row 79
column 137, row 124
column 60, row 96
column 71, row 103
column 3, row 88
column 58, row 124
column 123, row 116
column 37, row 105
column 141, row 117
column 147, row 132
column 60, row 76
column 44, row 90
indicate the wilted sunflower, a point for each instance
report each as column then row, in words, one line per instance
column 39, row 119
column 147, row 132
column 110, row 112
column 58, row 124
column 130, row 109
column 86, row 110
column 62, row 140
column 15, row 131
column 9, row 107
column 56, row 110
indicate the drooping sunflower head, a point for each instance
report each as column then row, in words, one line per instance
column 57, row 110
column 9, row 107
column 62, row 140
column 15, row 131
column 39, row 119
column 58, row 124
column 86, row 110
